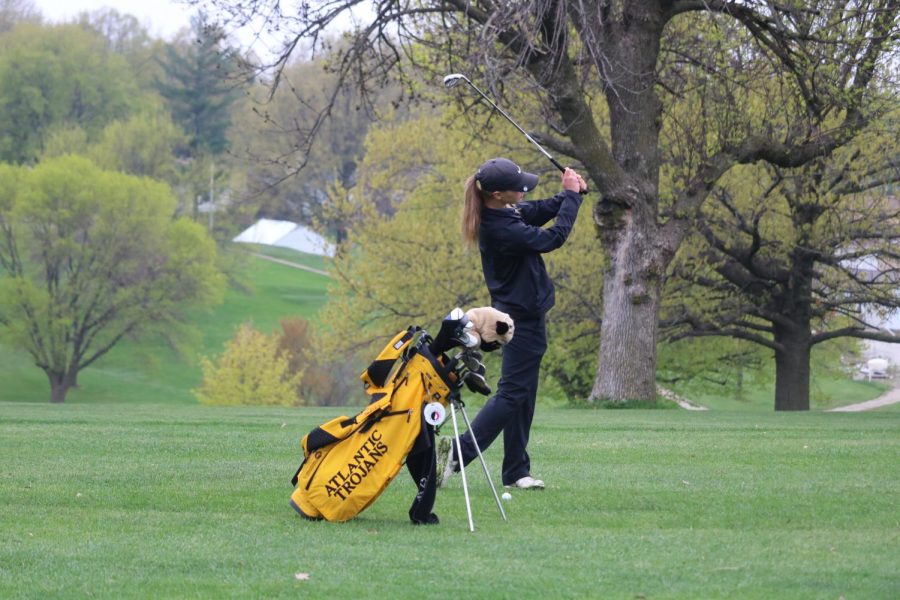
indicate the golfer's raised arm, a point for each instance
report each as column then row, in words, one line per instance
column 522, row 238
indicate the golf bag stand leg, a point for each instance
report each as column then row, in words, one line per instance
column 462, row 468
column 487, row 472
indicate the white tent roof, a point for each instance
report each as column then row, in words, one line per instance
column 265, row 231
column 286, row 234
column 306, row 240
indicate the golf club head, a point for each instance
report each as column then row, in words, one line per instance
column 467, row 336
column 476, row 383
column 472, row 362
column 459, row 362
column 453, row 79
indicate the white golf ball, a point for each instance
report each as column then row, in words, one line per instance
column 506, row 496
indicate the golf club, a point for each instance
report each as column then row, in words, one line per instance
column 476, row 383
column 473, row 362
column 453, row 80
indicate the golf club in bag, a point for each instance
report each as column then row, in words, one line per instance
column 452, row 80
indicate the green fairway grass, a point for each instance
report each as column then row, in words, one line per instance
column 175, row 501
column 150, row 371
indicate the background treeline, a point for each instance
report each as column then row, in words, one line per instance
column 380, row 172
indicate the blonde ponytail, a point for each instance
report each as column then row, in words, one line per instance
column 471, row 219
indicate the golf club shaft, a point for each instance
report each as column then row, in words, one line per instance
column 516, row 125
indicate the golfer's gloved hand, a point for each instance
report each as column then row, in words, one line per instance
column 574, row 182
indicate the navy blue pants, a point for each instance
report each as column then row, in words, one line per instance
column 511, row 409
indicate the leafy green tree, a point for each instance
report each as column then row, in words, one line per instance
column 65, row 139
column 252, row 370
column 422, row 269
column 144, row 144
column 200, row 85
column 53, row 76
column 791, row 258
column 88, row 257
column 820, row 60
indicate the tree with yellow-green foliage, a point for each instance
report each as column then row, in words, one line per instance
column 89, row 257
column 252, row 370
column 405, row 263
column 142, row 144
column 792, row 258
column 58, row 76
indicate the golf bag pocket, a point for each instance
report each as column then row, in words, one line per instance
column 339, row 480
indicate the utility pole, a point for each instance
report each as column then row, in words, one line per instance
column 212, row 206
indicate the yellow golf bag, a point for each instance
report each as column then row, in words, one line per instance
column 349, row 461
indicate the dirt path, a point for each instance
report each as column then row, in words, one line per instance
column 291, row 264
column 889, row 397
column 682, row 402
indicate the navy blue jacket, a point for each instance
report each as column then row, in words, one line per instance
column 512, row 240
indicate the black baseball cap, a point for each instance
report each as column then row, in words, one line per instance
column 503, row 175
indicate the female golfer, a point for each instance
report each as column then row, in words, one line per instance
column 511, row 240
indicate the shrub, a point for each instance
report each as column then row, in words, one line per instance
column 252, row 370
column 323, row 382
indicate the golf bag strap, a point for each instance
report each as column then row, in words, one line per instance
column 379, row 372
column 297, row 473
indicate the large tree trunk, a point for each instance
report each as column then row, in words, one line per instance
column 626, row 217
column 60, row 384
column 627, row 364
column 792, row 368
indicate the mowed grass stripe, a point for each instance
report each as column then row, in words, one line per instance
column 123, row 501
